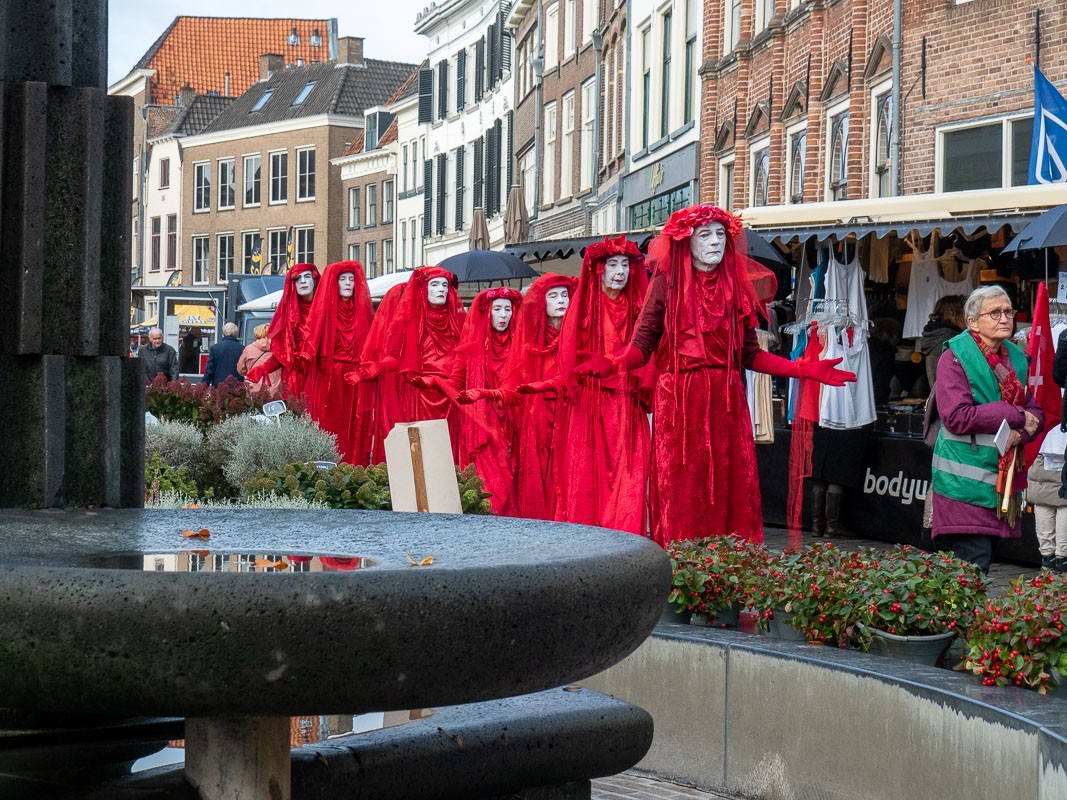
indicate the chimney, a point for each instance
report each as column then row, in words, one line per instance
column 269, row 63
column 186, row 95
column 350, row 50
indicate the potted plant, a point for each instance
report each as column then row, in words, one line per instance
column 1017, row 639
column 713, row 576
column 915, row 602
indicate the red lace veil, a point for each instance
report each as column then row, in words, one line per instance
column 413, row 313
column 286, row 319
column 333, row 318
column 531, row 343
column 477, row 342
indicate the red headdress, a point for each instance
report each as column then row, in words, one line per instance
column 534, row 337
column 589, row 303
column 287, row 316
column 339, row 321
column 414, row 314
column 480, row 342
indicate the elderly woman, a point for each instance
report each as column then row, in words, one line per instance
column 981, row 383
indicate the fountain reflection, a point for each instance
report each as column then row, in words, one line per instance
column 223, row 561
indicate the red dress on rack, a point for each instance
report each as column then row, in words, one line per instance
column 287, row 333
column 603, row 441
column 337, row 331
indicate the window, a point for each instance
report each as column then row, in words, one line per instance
column 252, row 165
column 172, row 241
column 303, row 95
column 837, row 156
column 416, row 177
column 881, row 135
column 353, row 252
column 202, row 186
column 164, row 173
column 589, row 9
column 371, row 262
column 277, row 253
column 646, row 84
column 387, row 202
column 135, row 232
column 798, row 143
column 225, row 258
column 387, row 255
column 372, row 204
column 136, row 177
column 985, row 156
column 404, row 182
column 586, row 167
column 403, row 241
column 692, row 22
column 726, row 183
column 154, row 247
column 304, row 252
column 732, row 31
column 305, row 174
column 250, row 251
column 551, row 37
column 548, row 190
column 263, row 100
column 416, row 224
column 201, row 253
column 279, row 177
column 764, row 12
column 570, row 28
column 566, row 154
column 761, row 167
column 654, row 212
column 227, row 183
column 353, row 207
column 527, row 168
column 665, row 78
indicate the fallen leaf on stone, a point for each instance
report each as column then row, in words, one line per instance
column 266, row 563
column 190, row 505
column 426, row 562
column 203, row 533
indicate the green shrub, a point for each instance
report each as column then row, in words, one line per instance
column 161, row 477
column 179, row 444
column 273, row 445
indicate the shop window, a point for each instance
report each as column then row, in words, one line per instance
column 798, row 145
column 654, row 212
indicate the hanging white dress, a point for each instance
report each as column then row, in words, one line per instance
column 851, row 405
column 924, row 288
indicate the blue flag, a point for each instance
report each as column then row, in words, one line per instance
column 1048, row 150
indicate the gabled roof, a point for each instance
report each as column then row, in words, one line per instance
column 392, row 134
column 411, row 85
column 357, row 144
column 200, row 51
column 158, row 119
column 196, row 116
column 344, row 90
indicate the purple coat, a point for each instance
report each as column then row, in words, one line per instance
column 960, row 415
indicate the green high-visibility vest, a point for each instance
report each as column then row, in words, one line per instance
column 965, row 467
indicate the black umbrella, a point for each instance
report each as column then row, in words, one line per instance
column 486, row 265
column 1047, row 230
column 759, row 249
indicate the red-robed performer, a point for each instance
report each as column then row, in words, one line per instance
column 289, row 329
column 421, row 342
column 699, row 321
column 533, row 361
column 340, row 320
column 387, row 394
column 602, row 445
column 487, row 432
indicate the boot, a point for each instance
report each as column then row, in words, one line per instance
column 1048, row 562
column 833, row 513
column 1060, row 564
column 818, row 510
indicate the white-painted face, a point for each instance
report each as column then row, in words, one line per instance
column 437, row 291
column 346, row 284
column 556, row 301
column 708, row 244
column 305, row 285
column 500, row 315
column 616, row 273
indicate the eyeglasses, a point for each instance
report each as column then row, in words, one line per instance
column 997, row 313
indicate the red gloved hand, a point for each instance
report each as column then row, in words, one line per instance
column 825, row 371
column 424, row 381
column 305, row 357
column 468, row 396
column 595, row 364
column 537, row 387
column 367, row 371
column 256, row 374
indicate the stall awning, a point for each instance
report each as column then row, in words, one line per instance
column 860, row 228
column 150, row 322
column 564, row 248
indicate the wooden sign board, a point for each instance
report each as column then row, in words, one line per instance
column 421, row 474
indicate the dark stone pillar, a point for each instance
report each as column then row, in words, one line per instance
column 71, row 419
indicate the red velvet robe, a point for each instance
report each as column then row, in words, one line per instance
column 381, row 400
column 289, row 331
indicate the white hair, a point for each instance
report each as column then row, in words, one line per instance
column 229, row 329
column 973, row 307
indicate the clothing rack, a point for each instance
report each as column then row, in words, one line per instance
column 823, row 312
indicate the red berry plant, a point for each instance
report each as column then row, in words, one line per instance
column 715, row 573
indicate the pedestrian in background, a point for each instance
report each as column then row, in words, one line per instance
column 255, row 354
column 223, row 356
column 189, row 353
column 158, row 357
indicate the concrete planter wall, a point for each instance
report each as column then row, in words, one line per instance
column 777, row 719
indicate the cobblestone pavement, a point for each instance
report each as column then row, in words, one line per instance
column 635, row 786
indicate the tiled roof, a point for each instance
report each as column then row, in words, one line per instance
column 199, row 51
column 158, row 118
column 196, row 116
column 411, row 85
column 357, row 144
column 391, row 135
column 344, row 90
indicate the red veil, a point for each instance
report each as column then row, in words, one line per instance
column 385, row 396
column 603, row 443
column 533, row 359
column 337, row 330
column 487, row 431
column 288, row 327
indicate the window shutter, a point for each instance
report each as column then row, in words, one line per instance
column 425, row 96
column 492, row 173
column 459, row 187
column 427, row 197
column 479, row 182
column 370, row 136
column 498, row 139
column 479, row 69
column 505, row 38
column 441, row 167
column 492, row 36
column 461, row 79
column 442, row 89
column 511, row 149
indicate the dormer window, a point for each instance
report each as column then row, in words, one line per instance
column 300, row 98
column 263, row 100
column 294, row 39
column 316, row 39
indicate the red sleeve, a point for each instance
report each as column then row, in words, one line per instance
column 649, row 329
column 750, row 348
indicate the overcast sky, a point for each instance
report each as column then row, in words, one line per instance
column 134, row 24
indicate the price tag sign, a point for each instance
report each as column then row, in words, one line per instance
column 1061, row 288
